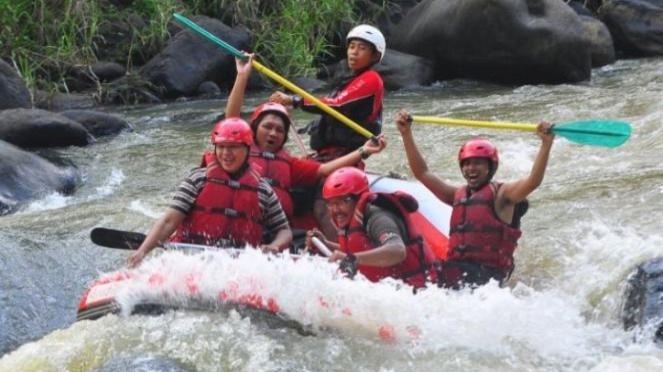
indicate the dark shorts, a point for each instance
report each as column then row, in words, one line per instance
column 304, row 197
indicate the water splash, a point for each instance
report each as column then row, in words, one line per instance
column 111, row 184
column 144, row 209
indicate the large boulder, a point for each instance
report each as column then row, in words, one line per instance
column 58, row 101
column 401, row 70
column 26, row 176
column 81, row 78
column 602, row 49
column 643, row 298
column 636, row 26
column 190, row 59
column 13, row 92
column 40, row 128
column 523, row 41
column 98, row 123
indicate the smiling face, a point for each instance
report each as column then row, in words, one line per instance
column 361, row 54
column 342, row 208
column 271, row 133
column 476, row 172
column 231, row 156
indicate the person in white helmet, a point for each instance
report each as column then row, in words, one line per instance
column 359, row 97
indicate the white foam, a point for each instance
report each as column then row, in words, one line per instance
column 50, row 202
column 114, row 180
column 144, row 209
column 491, row 320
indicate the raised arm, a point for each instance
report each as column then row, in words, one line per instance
column 517, row 191
column 236, row 98
column 436, row 185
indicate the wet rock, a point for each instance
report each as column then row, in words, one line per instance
column 107, row 71
column 26, row 176
column 189, row 59
column 643, row 298
column 525, row 41
column 13, row 92
column 40, row 128
column 98, row 123
column 636, row 26
column 208, row 89
column 400, row 70
column 56, row 101
column 80, row 78
column 129, row 89
column 602, row 49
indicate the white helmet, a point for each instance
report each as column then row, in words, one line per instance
column 370, row 34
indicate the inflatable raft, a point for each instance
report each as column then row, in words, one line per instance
column 102, row 296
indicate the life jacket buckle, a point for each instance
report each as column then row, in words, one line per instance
column 234, row 184
column 268, row 155
column 231, row 212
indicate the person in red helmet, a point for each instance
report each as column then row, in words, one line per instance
column 376, row 235
column 224, row 203
column 485, row 220
column 270, row 123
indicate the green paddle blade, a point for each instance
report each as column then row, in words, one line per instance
column 606, row 133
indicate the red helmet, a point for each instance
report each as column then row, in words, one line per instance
column 232, row 130
column 272, row 107
column 479, row 148
column 345, row 181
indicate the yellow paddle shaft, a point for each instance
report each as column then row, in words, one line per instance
column 335, row 114
column 475, row 123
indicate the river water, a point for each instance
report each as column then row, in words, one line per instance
column 595, row 217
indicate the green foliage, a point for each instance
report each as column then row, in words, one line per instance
column 159, row 14
column 291, row 34
column 43, row 38
column 38, row 35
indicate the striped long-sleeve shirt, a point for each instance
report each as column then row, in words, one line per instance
column 273, row 220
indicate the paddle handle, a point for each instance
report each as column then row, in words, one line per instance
column 298, row 140
column 475, row 123
column 321, row 246
column 274, row 76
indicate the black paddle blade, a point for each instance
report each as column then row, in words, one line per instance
column 116, row 238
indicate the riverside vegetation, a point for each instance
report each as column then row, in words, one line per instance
column 45, row 40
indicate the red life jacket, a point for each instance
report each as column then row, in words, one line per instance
column 476, row 233
column 224, row 209
column 275, row 169
column 416, row 268
column 353, row 98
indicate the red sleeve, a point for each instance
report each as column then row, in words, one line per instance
column 363, row 86
column 304, row 172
